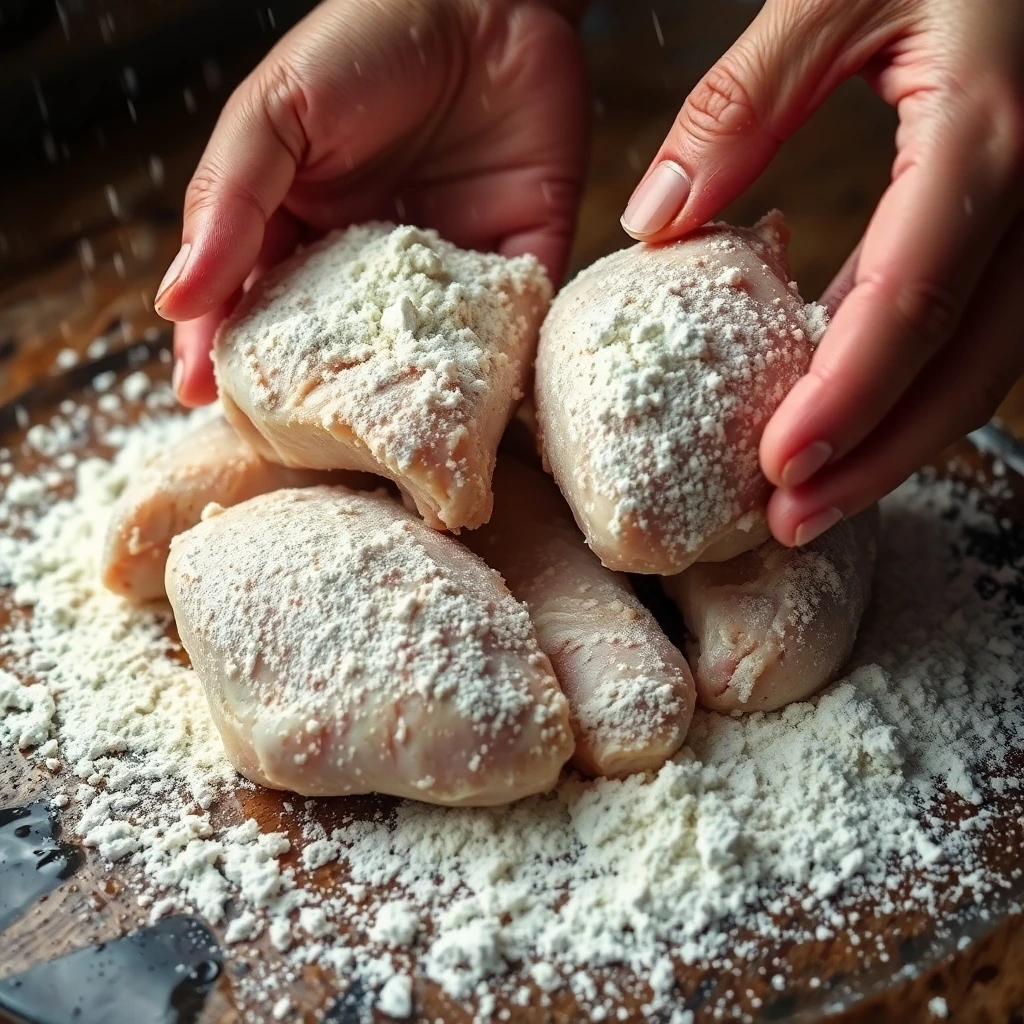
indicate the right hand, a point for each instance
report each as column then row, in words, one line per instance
column 468, row 116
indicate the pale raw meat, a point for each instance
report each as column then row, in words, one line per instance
column 775, row 624
column 658, row 368
column 630, row 691
column 387, row 350
column 346, row 647
column 211, row 465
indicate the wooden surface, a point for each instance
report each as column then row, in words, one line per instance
column 84, row 240
column 983, row 982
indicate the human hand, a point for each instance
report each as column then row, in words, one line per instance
column 926, row 338
column 468, row 116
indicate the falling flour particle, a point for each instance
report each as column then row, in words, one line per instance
column 822, row 804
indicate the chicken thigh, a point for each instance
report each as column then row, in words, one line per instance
column 630, row 691
column 346, row 647
column 391, row 351
column 658, row 368
column 211, row 464
column 775, row 624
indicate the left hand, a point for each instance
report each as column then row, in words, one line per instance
column 928, row 332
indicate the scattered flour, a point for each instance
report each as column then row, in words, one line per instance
column 820, row 805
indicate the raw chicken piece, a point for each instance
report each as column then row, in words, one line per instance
column 212, row 464
column 346, row 647
column 658, row 368
column 387, row 350
column 630, row 691
column 775, row 624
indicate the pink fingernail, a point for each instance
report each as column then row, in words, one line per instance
column 173, row 271
column 176, row 375
column 816, row 525
column 657, row 200
column 806, row 463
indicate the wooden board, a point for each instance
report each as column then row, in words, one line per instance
column 95, row 905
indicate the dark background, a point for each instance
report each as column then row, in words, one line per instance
column 106, row 105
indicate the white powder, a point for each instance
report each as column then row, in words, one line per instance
column 396, row 925
column 825, row 805
column 391, row 350
column 263, row 591
column 26, row 713
column 937, row 1008
column 396, row 997
column 656, row 374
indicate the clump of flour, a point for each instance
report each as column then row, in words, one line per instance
column 821, row 804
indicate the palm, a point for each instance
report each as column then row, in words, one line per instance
column 494, row 163
column 468, row 116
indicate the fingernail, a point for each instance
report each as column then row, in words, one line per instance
column 816, row 525
column 657, row 200
column 173, row 271
column 806, row 463
column 176, row 375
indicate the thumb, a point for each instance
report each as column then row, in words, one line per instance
column 733, row 122
column 341, row 86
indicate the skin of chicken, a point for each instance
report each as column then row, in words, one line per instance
column 630, row 692
column 212, row 464
column 579, row 427
column 773, row 625
column 308, row 618
column 311, row 422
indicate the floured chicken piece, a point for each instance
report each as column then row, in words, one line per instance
column 658, row 368
column 775, row 624
column 388, row 350
column 211, row 465
column 346, row 647
column 629, row 689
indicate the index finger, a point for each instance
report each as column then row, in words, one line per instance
column 927, row 244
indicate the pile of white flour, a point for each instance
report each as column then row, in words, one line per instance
column 820, row 803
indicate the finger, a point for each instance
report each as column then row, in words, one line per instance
column 193, row 378
column 341, row 86
column 920, row 260
column 279, row 241
column 957, row 394
column 733, row 122
column 244, row 173
column 842, row 284
column 511, row 210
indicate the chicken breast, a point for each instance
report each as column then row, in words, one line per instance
column 775, row 624
column 346, row 647
column 212, row 464
column 630, row 691
column 658, row 368
column 388, row 350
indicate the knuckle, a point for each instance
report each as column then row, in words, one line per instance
column 721, row 104
column 280, row 97
column 203, row 190
column 210, row 186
